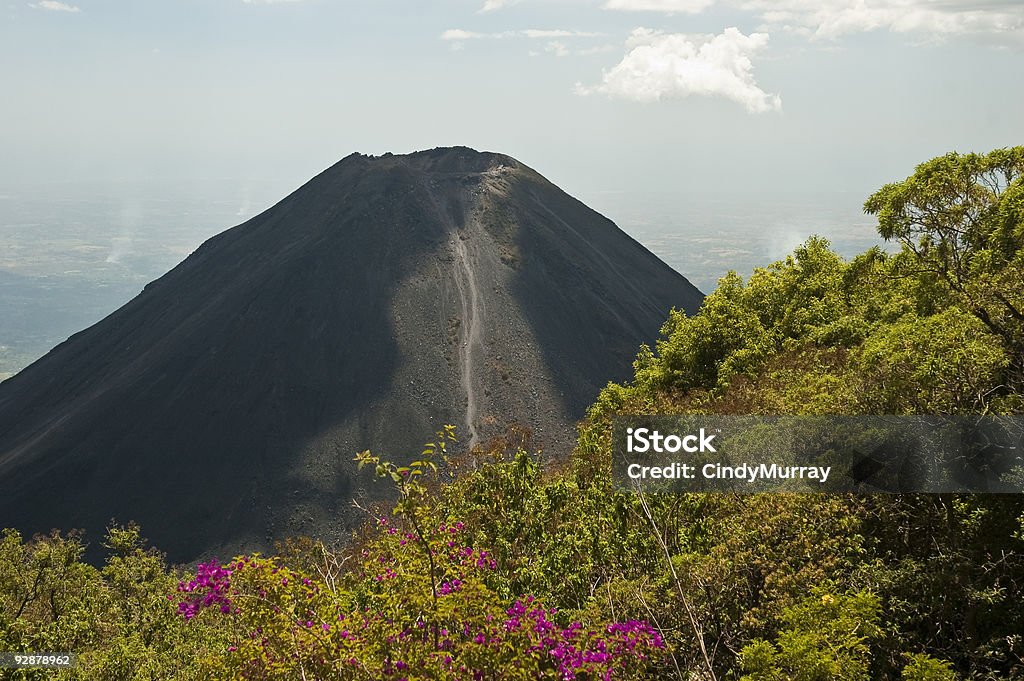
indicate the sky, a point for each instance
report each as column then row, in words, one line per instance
column 724, row 96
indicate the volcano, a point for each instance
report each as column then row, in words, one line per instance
column 221, row 407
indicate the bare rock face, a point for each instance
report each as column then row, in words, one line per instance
column 222, row 407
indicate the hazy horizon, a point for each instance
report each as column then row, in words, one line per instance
column 706, row 95
column 718, row 133
column 70, row 254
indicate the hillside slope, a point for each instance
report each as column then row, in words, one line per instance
column 221, row 407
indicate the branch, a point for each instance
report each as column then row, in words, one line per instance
column 650, row 613
column 679, row 586
column 1014, row 312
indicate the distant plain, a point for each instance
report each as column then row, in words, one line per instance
column 71, row 254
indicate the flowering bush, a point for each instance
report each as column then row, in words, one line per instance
column 210, row 587
column 387, row 617
column 419, row 602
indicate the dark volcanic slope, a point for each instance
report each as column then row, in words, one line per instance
column 221, row 407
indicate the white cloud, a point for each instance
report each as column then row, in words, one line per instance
column 459, row 34
column 834, row 18
column 492, row 5
column 533, row 33
column 560, row 49
column 661, row 66
column 267, row 2
column 670, row 6
column 557, row 48
column 557, row 33
column 826, row 19
column 54, row 6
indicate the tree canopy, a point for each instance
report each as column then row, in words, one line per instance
column 502, row 565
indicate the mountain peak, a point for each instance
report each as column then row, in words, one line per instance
column 456, row 159
column 386, row 297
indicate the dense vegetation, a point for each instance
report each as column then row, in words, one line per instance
column 511, row 570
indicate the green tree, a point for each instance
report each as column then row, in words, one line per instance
column 826, row 638
column 959, row 219
column 925, row 668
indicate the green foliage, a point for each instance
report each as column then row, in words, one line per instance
column 439, row 613
column 408, row 479
column 825, row 637
column 924, row 668
column 118, row 619
column 959, row 216
column 761, row 587
column 412, row 491
column 931, row 329
column 45, row 594
column 803, row 299
column 378, row 619
column 941, row 364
